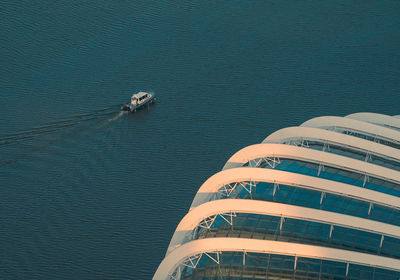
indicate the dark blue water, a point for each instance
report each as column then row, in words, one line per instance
column 89, row 193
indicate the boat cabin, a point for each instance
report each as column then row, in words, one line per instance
column 137, row 98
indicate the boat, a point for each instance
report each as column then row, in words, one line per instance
column 138, row 101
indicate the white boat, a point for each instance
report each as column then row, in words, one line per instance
column 138, row 101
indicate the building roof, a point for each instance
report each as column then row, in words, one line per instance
column 323, row 198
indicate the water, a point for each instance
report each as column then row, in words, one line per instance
column 87, row 192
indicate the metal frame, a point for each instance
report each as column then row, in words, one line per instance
column 296, row 135
column 274, row 152
column 192, row 262
column 335, row 123
column 185, row 253
column 378, row 119
column 204, row 216
column 227, row 189
column 169, row 266
column 217, row 183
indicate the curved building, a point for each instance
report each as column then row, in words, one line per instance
column 318, row 201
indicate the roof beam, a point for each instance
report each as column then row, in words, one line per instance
column 178, row 256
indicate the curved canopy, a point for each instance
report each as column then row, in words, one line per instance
column 359, row 150
column 299, row 153
column 355, row 125
column 194, row 217
column 179, row 255
column 331, row 137
column 210, row 187
column 374, row 118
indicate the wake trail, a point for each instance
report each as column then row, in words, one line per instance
column 112, row 119
column 52, row 127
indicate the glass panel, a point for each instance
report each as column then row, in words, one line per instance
column 268, row 227
column 369, row 137
column 335, row 174
column 269, row 266
column 346, row 151
column 312, row 199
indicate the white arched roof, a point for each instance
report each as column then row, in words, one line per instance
column 374, row 118
column 299, row 153
column 180, row 254
column 332, row 137
column 210, row 187
column 194, row 217
column 355, row 125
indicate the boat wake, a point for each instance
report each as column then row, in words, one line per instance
column 112, row 119
column 53, row 127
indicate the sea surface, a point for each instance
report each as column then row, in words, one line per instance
column 88, row 192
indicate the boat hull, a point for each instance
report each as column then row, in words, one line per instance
column 152, row 99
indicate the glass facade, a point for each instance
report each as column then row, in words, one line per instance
column 233, row 265
column 347, row 152
column 313, row 199
column 331, row 173
column 372, row 254
column 369, row 137
column 286, row 229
